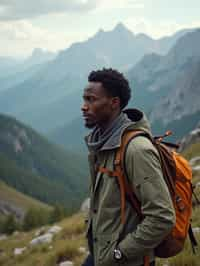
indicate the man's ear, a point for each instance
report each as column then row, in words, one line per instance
column 115, row 103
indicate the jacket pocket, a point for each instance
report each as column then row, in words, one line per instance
column 106, row 247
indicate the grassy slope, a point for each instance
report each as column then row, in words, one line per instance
column 68, row 241
column 65, row 246
column 12, row 196
column 192, row 151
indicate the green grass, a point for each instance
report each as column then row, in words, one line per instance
column 192, row 151
column 12, row 196
column 65, row 246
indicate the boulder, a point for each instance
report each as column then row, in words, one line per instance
column 66, row 263
column 195, row 160
column 19, row 251
column 40, row 232
column 82, row 250
column 16, row 233
column 3, row 237
column 196, row 230
column 196, row 168
column 54, row 230
column 197, row 184
column 46, row 238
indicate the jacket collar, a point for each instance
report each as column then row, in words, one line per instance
column 136, row 120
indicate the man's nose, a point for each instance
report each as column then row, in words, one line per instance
column 84, row 107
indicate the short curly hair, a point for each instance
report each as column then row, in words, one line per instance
column 114, row 82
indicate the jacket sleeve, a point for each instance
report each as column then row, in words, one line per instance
column 144, row 170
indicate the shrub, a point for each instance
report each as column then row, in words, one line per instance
column 10, row 224
column 34, row 218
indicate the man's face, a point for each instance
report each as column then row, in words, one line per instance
column 98, row 106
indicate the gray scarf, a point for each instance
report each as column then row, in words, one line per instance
column 109, row 138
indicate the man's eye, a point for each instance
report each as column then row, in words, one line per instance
column 90, row 98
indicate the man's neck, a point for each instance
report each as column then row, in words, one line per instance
column 106, row 125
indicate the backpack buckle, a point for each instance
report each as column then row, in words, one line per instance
column 116, row 162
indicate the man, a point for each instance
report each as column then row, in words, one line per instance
column 111, row 242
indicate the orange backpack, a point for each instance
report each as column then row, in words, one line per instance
column 177, row 174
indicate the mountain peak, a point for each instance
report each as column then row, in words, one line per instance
column 120, row 27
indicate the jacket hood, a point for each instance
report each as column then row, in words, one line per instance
column 135, row 120
column 138, row 119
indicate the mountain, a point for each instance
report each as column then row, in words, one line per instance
column 119, row 48
column 16, row 71
column 184, row 99
column 37, row 168
column 165, row 87
column 43, row 91
column 41, row 94
column 7, row 64
column 39, row 56
column 154, row 69
column 71, row 136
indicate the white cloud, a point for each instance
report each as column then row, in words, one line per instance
column 155, row 29
column 21, row 9
column 19, row 38
column 115, row 4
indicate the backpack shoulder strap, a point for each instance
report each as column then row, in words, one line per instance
column 127, row 189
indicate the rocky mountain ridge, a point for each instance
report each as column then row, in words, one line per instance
column 168, row 93
column 167, row 87
column 58, row 83
column 184, row 97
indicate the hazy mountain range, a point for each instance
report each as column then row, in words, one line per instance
column 48, row 95
column 166, row 87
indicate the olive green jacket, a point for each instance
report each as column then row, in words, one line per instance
column 104, row 220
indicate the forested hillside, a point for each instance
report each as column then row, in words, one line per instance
column 38, row 168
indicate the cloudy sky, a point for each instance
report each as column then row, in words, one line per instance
column 55, row 24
